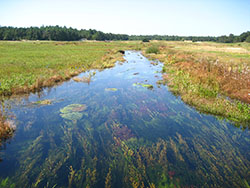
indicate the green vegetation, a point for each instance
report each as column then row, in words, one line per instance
column 73, row 111
column 248, row 39
column 111, row 89
column 222, row 39
column 135, row 139
column 57, row 33
column 205, row 78
column 44, row 102
column 204, row 96
column 152, row 49
column 84, row 153
column 148, row 86
column 29, row 66
column 196, row 71
column 5, row 183
column 145, row 40
column 7, row 128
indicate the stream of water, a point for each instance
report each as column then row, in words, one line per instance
column 121, row 129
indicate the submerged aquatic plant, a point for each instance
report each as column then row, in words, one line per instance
column 72, row 116
column 6, row 183
column 165, row 144
column 72, row 111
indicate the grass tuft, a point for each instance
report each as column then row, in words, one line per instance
column 152, row 50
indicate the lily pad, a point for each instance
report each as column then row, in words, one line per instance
column 72, row 116
column 110, row 89
column 72, row 111
column 73, row 108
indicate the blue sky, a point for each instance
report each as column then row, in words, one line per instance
column 163, row 17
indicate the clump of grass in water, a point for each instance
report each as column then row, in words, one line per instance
column 7, row 128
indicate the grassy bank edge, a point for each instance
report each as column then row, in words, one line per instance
column 107, row 61
column 7, row 127
column 206, row 98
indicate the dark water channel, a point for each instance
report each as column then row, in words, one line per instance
column 123, row 130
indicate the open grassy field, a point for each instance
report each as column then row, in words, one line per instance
column 212, row 77
column 31, row 65
column 204, row 74
column 28, row 66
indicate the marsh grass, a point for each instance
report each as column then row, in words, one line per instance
column 29, row 66
column 152, row 50
column 206, row 79
column 7, row 128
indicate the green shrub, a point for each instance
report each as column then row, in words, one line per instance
column 145, row 40
column 248, row 39
column 152, row 49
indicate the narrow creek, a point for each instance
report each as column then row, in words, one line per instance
column 121, row 129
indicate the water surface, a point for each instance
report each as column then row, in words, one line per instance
column 126, row 131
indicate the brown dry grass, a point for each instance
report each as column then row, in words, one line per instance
column 206, row 80
column 6, row 128
column 233, row 84
column 232, row 73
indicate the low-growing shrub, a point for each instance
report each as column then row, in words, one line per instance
column 152, row 49
column 145, row 40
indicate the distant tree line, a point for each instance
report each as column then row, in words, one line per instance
column 58, row 33
column 244, row 37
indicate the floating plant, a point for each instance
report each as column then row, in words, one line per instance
column 44, row 102
column 148, row 86
column 110, row 89
column 72, row 116
column 73, row 111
